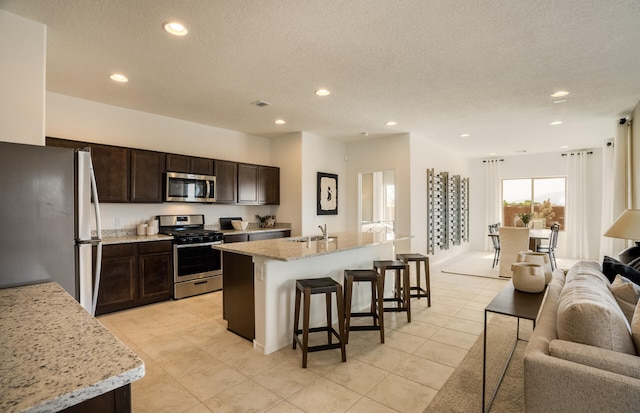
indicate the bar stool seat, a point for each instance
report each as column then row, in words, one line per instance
column 308, row 287
column 377, row 304
column 418, row 258
column 401, row 295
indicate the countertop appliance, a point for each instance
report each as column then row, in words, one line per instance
column 181, row 187
column 197, row 268
column 45, row 216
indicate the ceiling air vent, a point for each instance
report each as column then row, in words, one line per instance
column 261, row 103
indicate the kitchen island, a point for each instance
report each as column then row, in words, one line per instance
column 259, row 279
column 56, row 356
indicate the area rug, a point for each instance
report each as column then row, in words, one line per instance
column 463, row 391
column 477, row 264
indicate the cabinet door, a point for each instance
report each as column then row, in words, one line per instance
column 146, row 176
column 238, row 294
column 235, row 238
column 177, row 163
column 226, row 180
column 268, row 185
column 64, row 143
column 256, row 236
column 247, row 184
column 155, row 272
column 118, row 287
column 201, row 166
column 111, row 166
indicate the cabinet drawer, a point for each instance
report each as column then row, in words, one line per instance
column 118, row 250
column 235, row 238
column 153, row 247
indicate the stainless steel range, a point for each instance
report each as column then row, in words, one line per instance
column 197, row 268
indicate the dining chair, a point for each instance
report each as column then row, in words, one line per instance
column 493, row 229
column 550, row 248
column 512, row 241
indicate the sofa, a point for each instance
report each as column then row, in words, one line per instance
column 582, row 356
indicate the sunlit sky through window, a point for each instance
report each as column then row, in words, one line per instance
column 519, row 190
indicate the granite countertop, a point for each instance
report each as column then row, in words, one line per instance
column 253, row 228
column 125, row 239
column 290, row 249
column 54, row 354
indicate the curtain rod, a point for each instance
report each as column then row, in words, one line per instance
column 578, row 153
column 492, row 160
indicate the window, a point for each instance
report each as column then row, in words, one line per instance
column 542, row 198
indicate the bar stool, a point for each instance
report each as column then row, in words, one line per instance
column 308, row 287
column 377, row 304
column 418, row 258
column 402, row 292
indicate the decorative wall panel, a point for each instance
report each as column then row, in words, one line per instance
column 447, row 210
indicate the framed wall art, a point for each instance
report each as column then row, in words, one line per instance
column 327, row 194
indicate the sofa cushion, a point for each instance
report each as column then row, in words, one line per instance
column 599, row 358
column 589, row 314
column 635, row 328
column 626, row 294
column 612, row 267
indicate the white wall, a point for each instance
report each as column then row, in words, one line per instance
column 535, row 165
column 23, row 51
column 320, row 154
column 286, row 153
column 426, row 155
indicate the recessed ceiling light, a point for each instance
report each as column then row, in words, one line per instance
column 559, row 94
column 521, row 151
column 555, row 123
column 560, row 101
column 279, row 122
column 465, row 135
column 564, row 146
column 175, row 28
column 322, row 92
column 492, row 153
column 119, row 78
column 391, row 123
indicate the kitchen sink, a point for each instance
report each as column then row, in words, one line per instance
column 313, row 238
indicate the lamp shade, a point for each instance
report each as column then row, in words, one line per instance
column 627, row 226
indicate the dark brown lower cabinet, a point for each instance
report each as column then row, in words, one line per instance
column 237, row 294
column 135, row 274
column 115, row 401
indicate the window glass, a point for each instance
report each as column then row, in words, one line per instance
column 541, row 201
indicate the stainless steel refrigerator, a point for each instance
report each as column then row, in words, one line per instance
column 45, row 220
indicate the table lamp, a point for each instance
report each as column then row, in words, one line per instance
column 627, row 226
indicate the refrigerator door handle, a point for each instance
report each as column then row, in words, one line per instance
column 98, row 269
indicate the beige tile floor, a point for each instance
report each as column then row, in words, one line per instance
column 194, row 365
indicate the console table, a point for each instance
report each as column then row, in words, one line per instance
column 514, row 303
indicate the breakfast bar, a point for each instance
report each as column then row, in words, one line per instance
column 277, row 264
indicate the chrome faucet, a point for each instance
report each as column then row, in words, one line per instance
column 324, row 231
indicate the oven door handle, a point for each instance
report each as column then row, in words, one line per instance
column 200, row 244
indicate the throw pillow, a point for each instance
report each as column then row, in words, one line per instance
column 626, row 294
column 635, row 328
column 635, row 264
column 612, row 267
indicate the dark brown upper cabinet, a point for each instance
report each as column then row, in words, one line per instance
column 111, row 167
column 247, row 184
column 146, row 175
column 268, row 185
column 226, row 181
column 189, row 164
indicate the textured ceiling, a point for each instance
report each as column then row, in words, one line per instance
column 438, row 68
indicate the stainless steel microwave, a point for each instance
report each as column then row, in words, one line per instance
column 181, row 187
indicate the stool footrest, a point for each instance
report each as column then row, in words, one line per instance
column 364, row 328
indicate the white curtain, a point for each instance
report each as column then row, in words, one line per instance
column 616, row 185
column 492, row 177
column 578, row 171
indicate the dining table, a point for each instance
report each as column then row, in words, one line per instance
column 536, row 236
